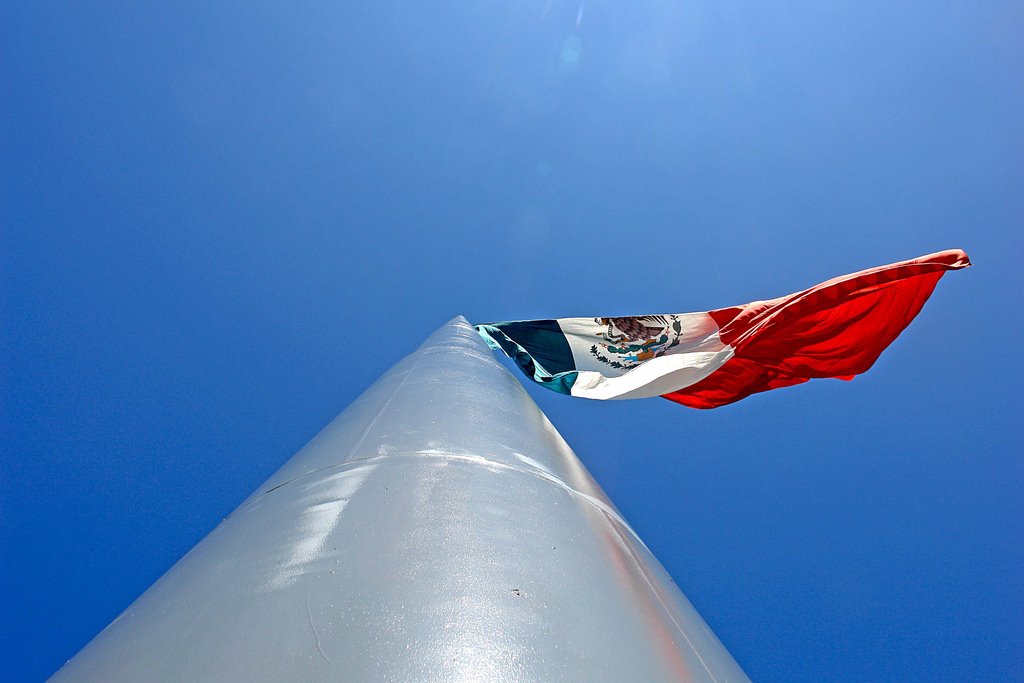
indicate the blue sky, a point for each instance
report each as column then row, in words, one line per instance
column 219, row 222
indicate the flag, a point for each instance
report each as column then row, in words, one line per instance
column 704, row 360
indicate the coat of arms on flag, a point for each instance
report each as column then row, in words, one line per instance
column 704, row 360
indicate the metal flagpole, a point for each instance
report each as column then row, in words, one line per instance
column 439, row 529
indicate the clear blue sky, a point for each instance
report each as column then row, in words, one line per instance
column 221, row 221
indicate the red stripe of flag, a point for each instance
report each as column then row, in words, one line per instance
column 835, row 329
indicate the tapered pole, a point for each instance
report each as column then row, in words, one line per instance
column 439, row 529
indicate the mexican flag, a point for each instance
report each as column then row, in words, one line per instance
column 704, row 360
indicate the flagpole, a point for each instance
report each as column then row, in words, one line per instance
column 438, row 529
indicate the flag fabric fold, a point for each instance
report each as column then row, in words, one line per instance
column 704, row 360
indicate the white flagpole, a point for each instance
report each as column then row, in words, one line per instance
column 439, row 529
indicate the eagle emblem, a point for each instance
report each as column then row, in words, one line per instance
column 627, row 342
